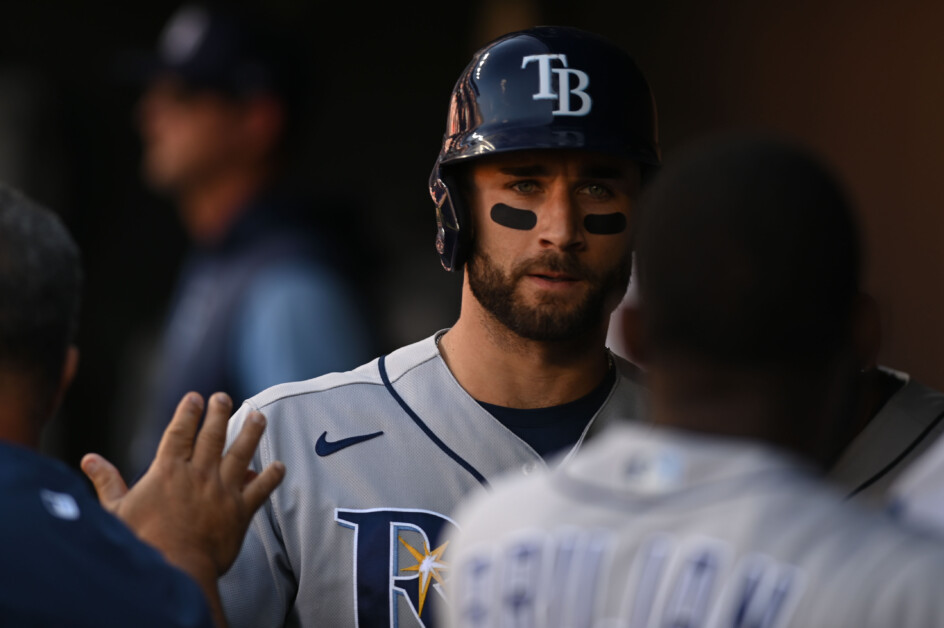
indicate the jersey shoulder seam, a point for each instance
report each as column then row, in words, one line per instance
column 410, row 368
column 365, row 379
column 301, row 393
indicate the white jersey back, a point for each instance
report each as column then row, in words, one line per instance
column 377, row 460
column 647, row 528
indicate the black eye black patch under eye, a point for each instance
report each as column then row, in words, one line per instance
column 605, row 224
column 513, row 218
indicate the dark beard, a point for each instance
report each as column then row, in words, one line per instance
column 553, row 318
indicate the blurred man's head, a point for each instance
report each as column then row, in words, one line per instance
column 747, row 259
column 747, row 253
column 219, row 98
column 40, row 279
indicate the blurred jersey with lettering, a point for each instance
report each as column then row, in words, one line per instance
column 650, row 527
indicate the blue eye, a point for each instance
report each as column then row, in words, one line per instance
column 524, row 187
column 596, row 190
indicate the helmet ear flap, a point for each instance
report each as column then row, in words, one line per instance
column 452, row 233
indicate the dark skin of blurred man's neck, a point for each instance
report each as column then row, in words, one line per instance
column 807, row 408
column 208, row 210
column 26, row 405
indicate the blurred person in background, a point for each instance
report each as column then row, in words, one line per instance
column 266, row 293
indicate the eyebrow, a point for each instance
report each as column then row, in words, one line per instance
column 592, row 171
column 534, row 170
column 600, row 171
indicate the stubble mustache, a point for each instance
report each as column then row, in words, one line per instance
column 552, row 262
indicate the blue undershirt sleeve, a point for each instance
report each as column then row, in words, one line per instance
column 297, row 321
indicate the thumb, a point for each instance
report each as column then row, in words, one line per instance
column 107, row 481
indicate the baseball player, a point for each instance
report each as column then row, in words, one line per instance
column 548, row 134
column 715, row 515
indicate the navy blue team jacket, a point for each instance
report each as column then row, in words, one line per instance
column 65, row 561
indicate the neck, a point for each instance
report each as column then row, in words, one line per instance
column 790, row 413
column 21, row 422
column 495, row 365
column 209, row 209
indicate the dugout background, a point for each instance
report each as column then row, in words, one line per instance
column 861, row 81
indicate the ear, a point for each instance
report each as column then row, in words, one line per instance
column 866, row 331
column 634, row 333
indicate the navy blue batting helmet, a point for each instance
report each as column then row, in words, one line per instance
column 543, row 88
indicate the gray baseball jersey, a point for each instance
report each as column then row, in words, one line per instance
column 906, row 426
column 651, row 528
column 377, row 459
column 917, row 495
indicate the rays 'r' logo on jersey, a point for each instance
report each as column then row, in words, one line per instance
column 398, row 571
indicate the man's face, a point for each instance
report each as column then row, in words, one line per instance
column 187, row 135
column 551, row 239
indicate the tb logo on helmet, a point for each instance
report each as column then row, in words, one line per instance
column 563, row 84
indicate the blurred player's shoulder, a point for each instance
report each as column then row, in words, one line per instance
column 902, row 433
column 917, row 495
column 629, row 370
column 630, row 385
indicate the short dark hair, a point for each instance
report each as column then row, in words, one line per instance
column 40, row 284
column 747, row 253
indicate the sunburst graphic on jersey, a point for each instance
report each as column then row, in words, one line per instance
column 428, row 565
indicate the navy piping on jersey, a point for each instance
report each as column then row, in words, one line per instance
column 891, row 465
column 416, row 419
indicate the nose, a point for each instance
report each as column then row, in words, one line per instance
column 559, row 222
